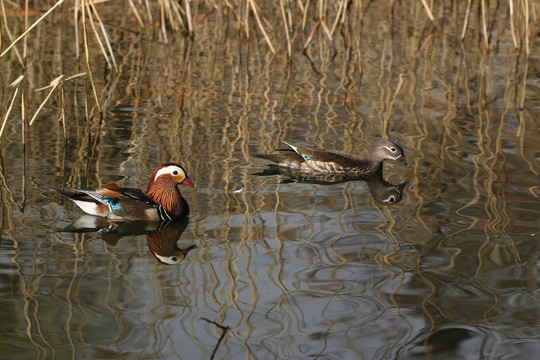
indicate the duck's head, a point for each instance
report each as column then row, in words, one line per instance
column 387, row 149
column 170, row 173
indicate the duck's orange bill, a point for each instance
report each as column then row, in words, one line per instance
column 188, row 182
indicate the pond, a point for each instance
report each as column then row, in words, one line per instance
column 437, row 260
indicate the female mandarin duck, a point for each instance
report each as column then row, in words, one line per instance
column 332, row 162
column 162, row 201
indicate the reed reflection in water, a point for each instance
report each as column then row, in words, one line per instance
column 285, row 265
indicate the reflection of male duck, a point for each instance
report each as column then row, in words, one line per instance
column 163, row 243
column 162, row 236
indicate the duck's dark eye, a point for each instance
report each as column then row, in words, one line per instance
column 393, row 149
column 175, row 259
column 175, row 172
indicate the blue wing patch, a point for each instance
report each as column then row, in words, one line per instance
column 112, row 203
column 295, row 148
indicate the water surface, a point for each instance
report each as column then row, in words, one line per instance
column 291, row 266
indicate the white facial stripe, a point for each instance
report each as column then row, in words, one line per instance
column 170, row 260
column 389, row 148
column 168, row 170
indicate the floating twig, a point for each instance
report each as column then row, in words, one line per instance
column 223, row 328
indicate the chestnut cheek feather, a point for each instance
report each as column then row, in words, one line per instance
column 165, row 194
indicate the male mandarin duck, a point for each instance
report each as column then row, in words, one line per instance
column 332, row 162
column 162, row 201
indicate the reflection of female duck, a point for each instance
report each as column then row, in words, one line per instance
column 162, row 237
column 382, row 191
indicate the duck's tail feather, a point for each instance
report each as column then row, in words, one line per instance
column 89, row 201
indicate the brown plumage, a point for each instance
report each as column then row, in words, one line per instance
column 310, row 160
column 163, row 191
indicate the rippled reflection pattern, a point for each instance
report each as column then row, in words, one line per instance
column 439, row 260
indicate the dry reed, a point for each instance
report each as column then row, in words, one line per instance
column 252, row 16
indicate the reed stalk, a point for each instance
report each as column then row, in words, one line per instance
column 466, row 20
column 511, row 8
column 261, row 27
column 189, row 18
column 15, row 84
column 428, row 10
column 93, row 10
column 288, row 36
column 54, row 84
column 528, row 34
column 337, row 20
column 136, row 13
column 304, row 12
column 484, row 24
column 87, row 57
column 162, row 14
column 60, row 2
column 23, row 119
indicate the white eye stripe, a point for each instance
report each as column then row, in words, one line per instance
column 173, row 170
column 391, row 199
column 392, row 149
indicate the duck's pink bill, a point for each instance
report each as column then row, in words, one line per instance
column 188, row 182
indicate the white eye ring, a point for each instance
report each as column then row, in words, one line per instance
column 391, row 199
column 175, row 172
